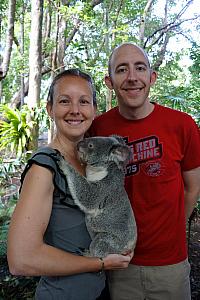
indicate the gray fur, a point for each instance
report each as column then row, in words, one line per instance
column 101, row 194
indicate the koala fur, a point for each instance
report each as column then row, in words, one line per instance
column 101, row 194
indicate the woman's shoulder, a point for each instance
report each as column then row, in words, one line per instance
column 46, row 151
column 47, row 158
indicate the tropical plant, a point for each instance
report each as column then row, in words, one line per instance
column 15, row 130
column 9, row 168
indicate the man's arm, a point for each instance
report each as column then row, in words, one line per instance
column 192, row 189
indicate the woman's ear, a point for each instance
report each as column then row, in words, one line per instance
column 49, row 110
column 108, row 82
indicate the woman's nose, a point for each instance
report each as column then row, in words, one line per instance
column 74, row 108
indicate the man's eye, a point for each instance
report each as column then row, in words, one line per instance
column 121, row 70
column 141, row 68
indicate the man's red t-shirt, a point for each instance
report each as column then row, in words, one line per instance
column 163, row 144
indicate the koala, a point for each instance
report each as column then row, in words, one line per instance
column 101, row 194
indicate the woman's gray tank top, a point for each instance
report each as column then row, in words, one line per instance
column 66, row 230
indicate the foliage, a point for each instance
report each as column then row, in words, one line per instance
column 175, row 88
column 193, row 89
column 41, row 116
column 15, row 129
column 11, row 287
column 18, row 287
column 96, row 31
column 10, row 170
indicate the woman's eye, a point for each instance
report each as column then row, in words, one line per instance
column 64, row 100
column 85, row 101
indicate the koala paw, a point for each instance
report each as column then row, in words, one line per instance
column 87, row 253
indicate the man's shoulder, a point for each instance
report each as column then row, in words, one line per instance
column 173, row 113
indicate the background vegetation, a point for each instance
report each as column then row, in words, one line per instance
column 39, row 38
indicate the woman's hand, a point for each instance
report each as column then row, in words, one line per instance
column 117, row 261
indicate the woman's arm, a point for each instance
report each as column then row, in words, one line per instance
column 27, row 253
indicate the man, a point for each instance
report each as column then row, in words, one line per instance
column 162, row 179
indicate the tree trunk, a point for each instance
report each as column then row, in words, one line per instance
column 1, row 71
column 9, row 40
column 22, row 54
column 35, row 54
column 143, row 21
column 35, row 64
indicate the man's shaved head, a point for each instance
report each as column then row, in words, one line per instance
column 115, row 50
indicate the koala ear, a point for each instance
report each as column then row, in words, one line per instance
column 118, row 138
column 119, row 153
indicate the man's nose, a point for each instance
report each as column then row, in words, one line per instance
column 132, row 74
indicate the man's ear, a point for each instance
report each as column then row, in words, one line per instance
column 153, row 77
column 108, row 82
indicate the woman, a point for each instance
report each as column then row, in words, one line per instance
column 47, row 234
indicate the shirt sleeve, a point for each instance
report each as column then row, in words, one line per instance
column 191, row 159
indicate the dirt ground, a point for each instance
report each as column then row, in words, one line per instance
column 194, row 257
